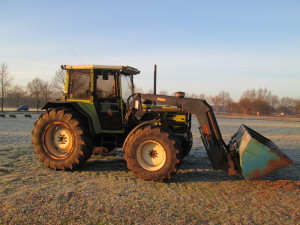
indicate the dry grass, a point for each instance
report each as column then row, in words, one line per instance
column 105, row 192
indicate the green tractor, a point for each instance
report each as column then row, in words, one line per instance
column 101, row 112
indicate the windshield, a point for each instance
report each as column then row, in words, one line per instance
column 127, row 86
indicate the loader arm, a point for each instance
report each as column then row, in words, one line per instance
column 208, row 127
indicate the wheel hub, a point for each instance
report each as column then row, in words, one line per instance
column 151, row 155
column 62, row 139
column 58, row 140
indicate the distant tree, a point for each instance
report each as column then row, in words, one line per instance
column 262, row 102
column 250, row 94
column 286, row 105
column 163, row 92
column 47, row 89
column 150, row 91
column 58, row 81
column 138, row 89
column 256, row 102
column 17, row 91
column 202, row 96
column 263, row 94
column 247, row 101
column 224, row 99
column 209, row 99
column 245, row 104
column 216, row 101
column 297, row 106
column 234, row 107
column 35, row 88
column 5, row 82
column 274, row 101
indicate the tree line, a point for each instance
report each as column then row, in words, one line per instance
column 252, row 102
column 34, row 94
column 260, row 102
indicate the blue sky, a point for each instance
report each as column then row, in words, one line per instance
column 199, row 46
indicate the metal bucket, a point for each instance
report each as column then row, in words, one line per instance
column 258, row 155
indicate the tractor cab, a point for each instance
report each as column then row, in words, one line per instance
column 107, row 87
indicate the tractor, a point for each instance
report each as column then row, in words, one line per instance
column 100, row 112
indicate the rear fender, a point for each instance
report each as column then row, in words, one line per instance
column 86, row 109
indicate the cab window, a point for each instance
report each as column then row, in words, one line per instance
column 106, row 85
column 80, row 84
column 127, row 87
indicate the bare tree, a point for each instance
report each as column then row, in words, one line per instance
column 225, row 99
column 36, row 89
column 247, row 101
column 138, row 89
column 17, row 91
column 250, row 94
column 47, row 90
column 58, row 81
column 216, row 101
column 286, row 105
column 263, row 95
column 5, row 82
column 274, row 101
column 297, row 106
column 201, row 96
column 163, row 92
column 193, row 95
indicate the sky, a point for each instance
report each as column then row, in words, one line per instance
column 199, row 46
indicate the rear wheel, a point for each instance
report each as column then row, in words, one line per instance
column 61, row 140
column 153, row 153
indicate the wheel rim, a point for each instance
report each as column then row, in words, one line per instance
column 151, row 155
column 58, row 140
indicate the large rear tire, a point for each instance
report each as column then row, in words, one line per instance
column 61, row 140
column 153, row 153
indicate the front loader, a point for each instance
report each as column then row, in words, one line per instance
column 100, row 112
column 248, row 153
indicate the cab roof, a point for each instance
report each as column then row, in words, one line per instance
column 128, row 70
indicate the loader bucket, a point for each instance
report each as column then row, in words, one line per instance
column 258, row 155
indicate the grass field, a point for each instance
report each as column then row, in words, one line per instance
column 105, row 192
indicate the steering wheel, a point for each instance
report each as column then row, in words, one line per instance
column 127, row 102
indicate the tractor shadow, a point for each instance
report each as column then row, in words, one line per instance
column 98, row 163
column 195, row 167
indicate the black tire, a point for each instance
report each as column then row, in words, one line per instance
column 61, row 140
column 153, row 153
column 187, row 143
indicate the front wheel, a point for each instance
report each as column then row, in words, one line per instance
column 187, row 143
column 153, row 153
column 61, row 140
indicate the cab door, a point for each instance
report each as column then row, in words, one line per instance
column 108, row 100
